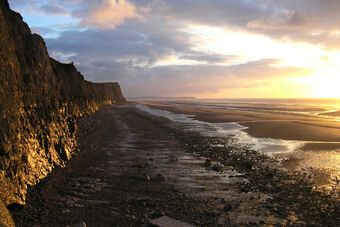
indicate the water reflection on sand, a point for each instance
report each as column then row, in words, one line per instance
column 316, row 154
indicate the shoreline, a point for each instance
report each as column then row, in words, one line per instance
column 309, row 143
column 264, row 125
column 134, row 167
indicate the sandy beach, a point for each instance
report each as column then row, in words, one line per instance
column 320, row 138
column 264, row 125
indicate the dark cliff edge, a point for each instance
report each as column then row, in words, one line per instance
column 40, row 100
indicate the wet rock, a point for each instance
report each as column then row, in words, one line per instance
column 207, row 163
column 216, row 166
column 162, row 178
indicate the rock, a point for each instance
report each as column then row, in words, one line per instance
column 5, row 217
column 207, row 163
column 40, row 100
column 269, row 185
column 160, row 177
column 216, row 166
column 166, row 221
column 65, row 211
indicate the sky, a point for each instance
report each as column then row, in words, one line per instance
column 196, row 48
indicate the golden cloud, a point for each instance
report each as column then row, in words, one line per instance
column 111, row 13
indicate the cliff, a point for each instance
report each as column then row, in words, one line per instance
column 40, row 100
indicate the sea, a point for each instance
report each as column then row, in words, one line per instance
column 328, row 109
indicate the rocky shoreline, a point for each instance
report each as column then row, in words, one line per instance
column 292, row 194
column 133, row 168
column 295, row 196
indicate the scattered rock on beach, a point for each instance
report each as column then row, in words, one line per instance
column 166, row 221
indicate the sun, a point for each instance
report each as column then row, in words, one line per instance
column 323, row 83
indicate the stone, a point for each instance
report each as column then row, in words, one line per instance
column 166, row 221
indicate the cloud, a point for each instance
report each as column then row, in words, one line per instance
column 265, row 69
column 126, row 56
column 42, row 30
column 290, row 20
column 141, row 44
column 213, row 12
column 310, row 21
column 108, row 14
column 129, row 54
column 125, row 40
column 209, row 58
column 205, row 79
column 54, row 10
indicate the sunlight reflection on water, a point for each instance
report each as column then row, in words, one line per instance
column 230, row 129
column 321, row 158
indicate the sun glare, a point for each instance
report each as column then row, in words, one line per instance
column 323, row 84
column 252, row 47
column 322, row 81
column 327, row 84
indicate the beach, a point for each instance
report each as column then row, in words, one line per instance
column 169, row 113
column 133, row 168
column 263, row 125
column 307, row 140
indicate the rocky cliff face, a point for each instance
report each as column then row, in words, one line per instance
column 40, row 100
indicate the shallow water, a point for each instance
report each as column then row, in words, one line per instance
column 231, row 130
column 328, row 160
column 321, row 108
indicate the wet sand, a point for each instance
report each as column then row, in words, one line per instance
column 132, row 168
column 264, row 125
